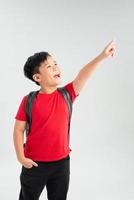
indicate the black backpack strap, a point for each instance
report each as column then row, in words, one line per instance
column 67, row 98
column 28, row 107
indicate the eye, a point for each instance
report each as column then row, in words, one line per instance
column 55, row 62
column 51, row 66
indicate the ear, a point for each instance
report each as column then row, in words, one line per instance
column 37, row 78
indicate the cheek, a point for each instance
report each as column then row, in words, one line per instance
column 46, row 77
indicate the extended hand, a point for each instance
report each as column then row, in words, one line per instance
column 109, row 50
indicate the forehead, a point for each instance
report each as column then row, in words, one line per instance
column 50, row 60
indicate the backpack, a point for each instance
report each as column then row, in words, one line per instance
column 30, row 100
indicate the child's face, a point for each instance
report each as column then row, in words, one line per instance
column 49, row 73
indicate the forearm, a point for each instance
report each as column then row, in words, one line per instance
column 91, row 67
column 86, row 72
column 19, row 144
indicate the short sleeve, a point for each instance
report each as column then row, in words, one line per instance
column 71, row 91
column 21, row 114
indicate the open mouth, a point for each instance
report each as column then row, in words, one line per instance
column 57, row 76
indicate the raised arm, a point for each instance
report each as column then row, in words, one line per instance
column 86, row 72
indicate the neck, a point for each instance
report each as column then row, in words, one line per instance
column 47, row 90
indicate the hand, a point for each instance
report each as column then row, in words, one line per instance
column 109, row 50
column 28, row 163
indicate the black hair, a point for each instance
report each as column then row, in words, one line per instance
column 33, row 63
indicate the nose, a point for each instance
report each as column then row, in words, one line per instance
column 55, row 68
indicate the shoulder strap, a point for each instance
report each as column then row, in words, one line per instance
column 29, row 103
column 67, row 98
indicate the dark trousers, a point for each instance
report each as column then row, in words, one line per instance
column 54, row 175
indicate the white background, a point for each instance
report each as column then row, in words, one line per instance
column 102, row 139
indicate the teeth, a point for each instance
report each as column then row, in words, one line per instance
column 57, row 75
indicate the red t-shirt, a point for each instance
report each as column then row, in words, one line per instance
column 48, row 137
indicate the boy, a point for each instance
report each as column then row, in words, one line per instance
column 45, row 156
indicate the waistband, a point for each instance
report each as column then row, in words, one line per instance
column 66, row 158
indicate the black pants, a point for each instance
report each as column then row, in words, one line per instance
column 54, row 175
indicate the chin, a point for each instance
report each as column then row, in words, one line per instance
column 58, row 82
